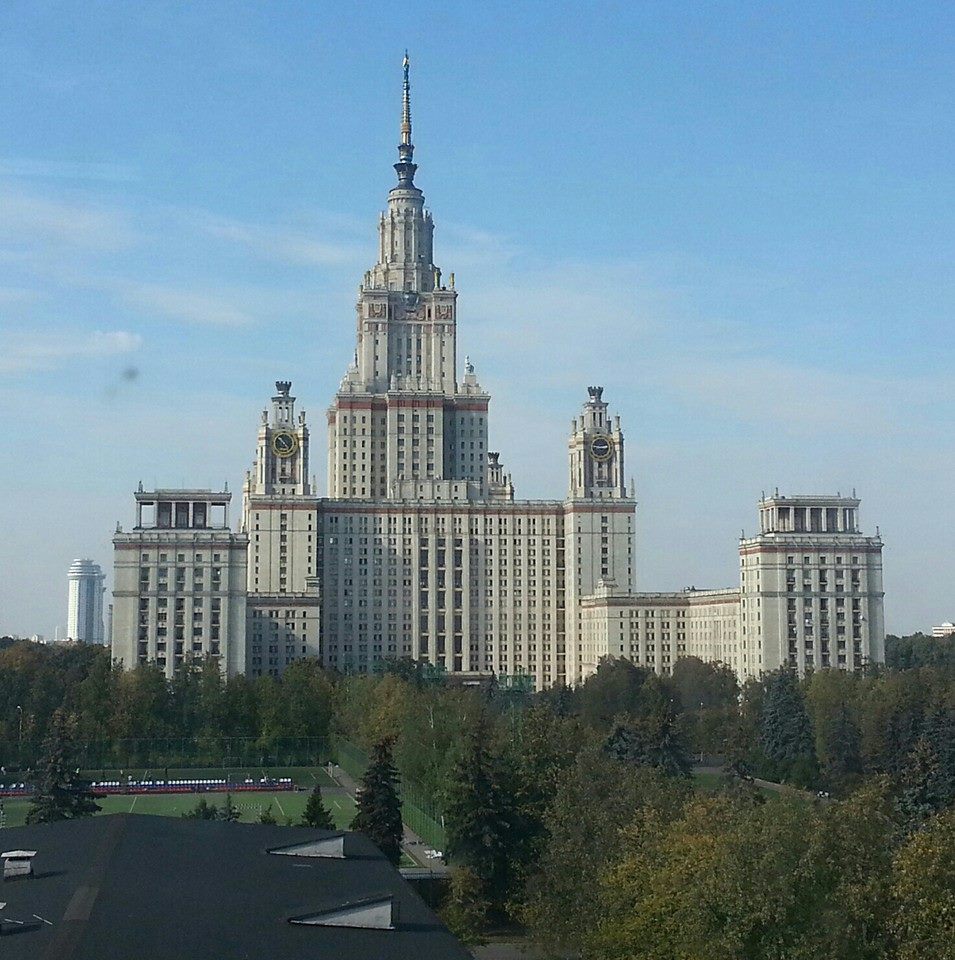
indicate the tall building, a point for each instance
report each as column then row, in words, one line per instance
column 811, row 587
column 85, row 613
column 179, row 585
column 422, row 548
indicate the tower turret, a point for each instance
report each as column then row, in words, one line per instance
column 596, row 451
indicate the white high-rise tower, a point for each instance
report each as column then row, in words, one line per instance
column 85, row 615
column 402, row 424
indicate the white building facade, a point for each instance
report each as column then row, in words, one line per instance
column 810, row 598
column 811, row 587
column 279, row 516
column 421, row 548
column 179, row 584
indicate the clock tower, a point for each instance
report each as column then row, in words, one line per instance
column 281, row 462
column 279, row 511
column 596, row 452
column 598, row 520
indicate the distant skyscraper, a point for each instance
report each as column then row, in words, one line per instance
column 85, row 617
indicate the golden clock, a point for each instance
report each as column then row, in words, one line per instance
column 284, row 444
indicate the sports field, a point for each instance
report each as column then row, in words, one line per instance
column 286, row 805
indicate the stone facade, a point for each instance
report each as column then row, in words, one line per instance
column 810, row 597
column 811, row 587
column 179, row 590
column 279, row 515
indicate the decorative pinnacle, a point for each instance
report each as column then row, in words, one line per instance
column 405, row 167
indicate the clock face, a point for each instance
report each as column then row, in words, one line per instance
column 284, row 444
column 601, row 448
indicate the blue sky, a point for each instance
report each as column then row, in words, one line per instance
column 737, row 217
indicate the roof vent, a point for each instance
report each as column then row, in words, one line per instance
column 333, row 846
column 17, row 863
column 372, row 913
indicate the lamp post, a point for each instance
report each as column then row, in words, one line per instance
column 20, row 734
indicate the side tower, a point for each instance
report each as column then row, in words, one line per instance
column 179, row 583
column 598, row 519
column 810, row 587
column 596, row 452
column 279, row 515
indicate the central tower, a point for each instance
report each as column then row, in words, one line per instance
column 401, row 425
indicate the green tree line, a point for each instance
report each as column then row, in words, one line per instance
column 572, row 812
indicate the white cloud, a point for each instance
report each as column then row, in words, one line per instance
column 278, row 243
column 192, row 306
column 27, row 220
column 22, row 352
column 17, row 295
column 33, row 168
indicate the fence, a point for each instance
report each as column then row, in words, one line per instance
column 174, row 752
column 418, row 811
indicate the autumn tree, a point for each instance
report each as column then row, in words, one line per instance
column 595, row 798
column 923, row 892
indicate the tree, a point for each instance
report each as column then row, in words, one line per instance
column 922, row 785
column 267, row 817
column 786, row 731
column 466, row 908
column 61, row 793
column 923, row 892
column 316, row 814
column 730, row 881
column 203, row 810
column 615, row 688
column 698, row 682
column 379, row 807
column 594, row 799
column 651, row 741
column 918, row 650
column 831, row 698
column 481, row 817
column 229, row 811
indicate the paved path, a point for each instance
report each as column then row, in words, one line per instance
column 765, row 784
column 411, row 843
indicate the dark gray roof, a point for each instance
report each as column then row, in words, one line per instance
column 154, row 888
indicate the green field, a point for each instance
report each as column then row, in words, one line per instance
column 286, row 805
column 708, row 781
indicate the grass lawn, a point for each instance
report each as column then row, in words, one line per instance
column 708, row 781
